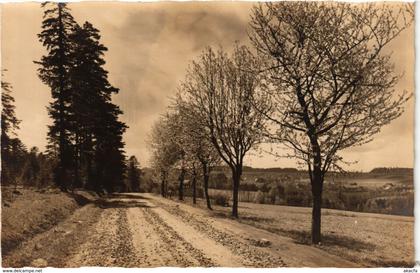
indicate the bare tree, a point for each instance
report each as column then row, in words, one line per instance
column 176, row 139
column 222, row 89
column 164, row 153
column 197, row 144
column 193, row 167
column 332, row 86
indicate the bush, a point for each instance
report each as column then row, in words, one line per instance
column 221, row 200
column 399, row 205
column 332, row 202
column 248, row 187
column 295, row 200
column 355, row 200
column 276, row 192
column 280, row 189
column 264, row 187
column 259, row 198
column 219, row 181
column 273, row 193
column 200, row 192
column 402, row 205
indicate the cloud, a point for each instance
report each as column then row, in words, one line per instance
column 149, row 51
column 150, row 46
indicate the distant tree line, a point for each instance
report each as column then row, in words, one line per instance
column 317, row 80
column 18, row 164
column 392, row 170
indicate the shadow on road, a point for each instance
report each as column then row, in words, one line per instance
column 106, row 204
column 128, row 196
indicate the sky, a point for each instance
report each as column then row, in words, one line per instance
column 149, row 48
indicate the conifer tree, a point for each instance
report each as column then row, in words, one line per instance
column 89, row 87
column 86, row 135
column 54, row 72
column 133, row 174
column 12, row 149
column 97, row 133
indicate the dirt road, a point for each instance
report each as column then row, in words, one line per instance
column 143, row 230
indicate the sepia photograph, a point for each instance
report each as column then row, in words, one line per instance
column 207, row 134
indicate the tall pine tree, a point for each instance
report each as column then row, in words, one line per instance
column 97, row 130
column 86, row 134
column 89, row 81
column 54, row 72
column 109, row 153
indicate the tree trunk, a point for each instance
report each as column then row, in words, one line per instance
column 317, row 182
column 99, row 176
column 206, row 185
column 63, row 157
column 168, row 191
column 162, row 186
column 77, row 163
column 181, row 185
column 206, row 191
column 236, row 178
column 139, row 182
column 194, row 185
column 87, row 148
column 89, row 171
column 181, row 190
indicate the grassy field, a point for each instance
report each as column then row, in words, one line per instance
column 388, row 193
column 369, row 239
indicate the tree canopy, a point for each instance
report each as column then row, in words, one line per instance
column 331, row 85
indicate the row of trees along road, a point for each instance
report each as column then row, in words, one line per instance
column 86, row 135
column 319, row 82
